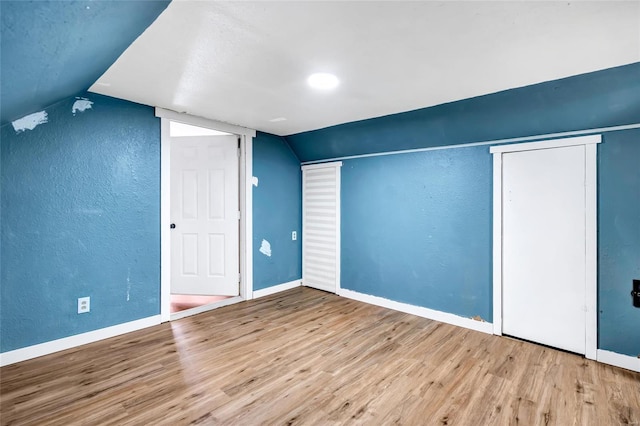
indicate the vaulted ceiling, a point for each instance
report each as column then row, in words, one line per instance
column 51, row 50
column 246, row 63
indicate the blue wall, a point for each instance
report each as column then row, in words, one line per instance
column 277, row 210
column 599, row 99
column 392, row 204
column 619, row 240
column 54, row 49
column 416, row 228
column 79, row 217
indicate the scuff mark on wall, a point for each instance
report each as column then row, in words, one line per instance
column 478, row 318
column 81, row 105
column 265, row 248
column 29, row 122
column 254, row 181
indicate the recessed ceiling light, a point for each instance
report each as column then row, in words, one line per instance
column 323, row 81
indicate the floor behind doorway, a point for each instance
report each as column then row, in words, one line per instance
column 181, row 302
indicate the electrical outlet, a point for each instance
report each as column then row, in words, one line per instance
column 294, row 235
column 84, row 305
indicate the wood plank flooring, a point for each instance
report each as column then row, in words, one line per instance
column 308, row 357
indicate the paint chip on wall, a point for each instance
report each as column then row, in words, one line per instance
column 29, row 122
column 81, row 105
column 265, row 248
column 254, row 181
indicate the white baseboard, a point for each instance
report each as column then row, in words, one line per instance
column 484, row 327
column 276, row 288
column 23, row 354
column 619, row 360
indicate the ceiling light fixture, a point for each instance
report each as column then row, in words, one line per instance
column 323, row 81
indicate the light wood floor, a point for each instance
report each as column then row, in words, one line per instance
column 308, row 357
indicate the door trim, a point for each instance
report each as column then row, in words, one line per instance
column 246, row 203
column 591, row 290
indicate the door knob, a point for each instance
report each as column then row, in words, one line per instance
column 172, row 226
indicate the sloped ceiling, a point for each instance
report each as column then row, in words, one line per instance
column 51, row 50
column 246, row 62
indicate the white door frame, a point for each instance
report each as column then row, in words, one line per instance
column 591, row 290
column 246, row 202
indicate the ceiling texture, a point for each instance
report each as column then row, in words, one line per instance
column 246, row 63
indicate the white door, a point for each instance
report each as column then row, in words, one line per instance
column 205, row 212
column 321, row 226
column 543, row 246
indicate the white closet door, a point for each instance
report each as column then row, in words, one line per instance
column 544, row 242
column 544, row 246
column 321, row 226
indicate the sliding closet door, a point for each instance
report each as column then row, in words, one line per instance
column 321, row 226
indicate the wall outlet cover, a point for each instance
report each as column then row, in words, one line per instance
column 84, row 305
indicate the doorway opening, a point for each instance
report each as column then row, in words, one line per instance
column 183, row 302
column 197, row 222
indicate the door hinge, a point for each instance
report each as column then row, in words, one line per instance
column 239, row 214
column 239, row 152
column 239, row 278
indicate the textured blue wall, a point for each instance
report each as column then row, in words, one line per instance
column 618, row 241
column 386, row 213
column 599, row 99
column 277, row 210
column 416, row 228
column 55, row 49
column 80, row 217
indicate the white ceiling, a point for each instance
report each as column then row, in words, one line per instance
column 246, row 63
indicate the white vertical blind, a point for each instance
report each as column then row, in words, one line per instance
column 321, row 226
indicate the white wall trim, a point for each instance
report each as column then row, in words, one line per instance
column 484, row 327
column 591, row 285
column 246, row 202
column 46, row 348
column 246, row 219
column 552, row 143
column 619, row 360
column 591, row 249
column 306, row 166
column 497, row 245
column 165, row 220
column 203, row 122
column 492, row 142
column 276, row 288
